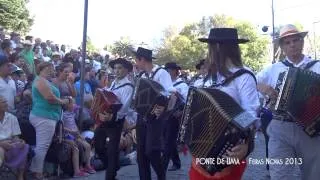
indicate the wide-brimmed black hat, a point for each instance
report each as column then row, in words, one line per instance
column 223, row 35
column 126, row 64
column 172, row 65
column 146, row 53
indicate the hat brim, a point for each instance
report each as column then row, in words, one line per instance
column 302, row 34
column 237, row 41
column 174, row 68
column 136, row 54
column 126, row 65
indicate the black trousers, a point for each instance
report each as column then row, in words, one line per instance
column 150, row 148
column 171, row 149
column 108, row 151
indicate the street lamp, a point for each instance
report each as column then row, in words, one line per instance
column 314, row 39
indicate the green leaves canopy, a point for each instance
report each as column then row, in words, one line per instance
column 15, row 16
column 184, row 47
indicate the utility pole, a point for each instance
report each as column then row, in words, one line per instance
column 84, row 54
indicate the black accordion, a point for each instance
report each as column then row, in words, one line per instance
column 299, row 97
column 213, row 123
column 147, row 95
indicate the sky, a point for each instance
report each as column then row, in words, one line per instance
column 145, row 20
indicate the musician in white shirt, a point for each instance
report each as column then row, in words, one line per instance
column 123, row 89
column 223, row 43
column 150, row 134
column 172, row 125
column 287, row 139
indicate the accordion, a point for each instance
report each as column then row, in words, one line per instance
column 147, row 95
column 104, row 101
column 299, row 97
column 213, row 123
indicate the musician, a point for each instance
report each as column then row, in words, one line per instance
column 172, row 126
column 202, row 71
column 123, row 89
column 287, row 139
column 150, row 133
column 224, row 61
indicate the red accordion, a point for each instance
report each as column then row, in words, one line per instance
column 104, row 101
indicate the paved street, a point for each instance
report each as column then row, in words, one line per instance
column 253, row 172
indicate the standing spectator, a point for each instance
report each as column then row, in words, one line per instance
column 63, row 50
column 15, row 39
column 62, row 81
column 7, row 85
column 56, row 59
column 28, row 56
column 87, row 87
column 45, row 113
column 6, row 47
column 37, row 52
column 37, row 42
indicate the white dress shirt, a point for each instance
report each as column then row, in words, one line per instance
column 8, row 91
column 124, row 94
column 182, row 88
column 242, row 89
column 162, row 77
column 269, row 75
column 9, row 127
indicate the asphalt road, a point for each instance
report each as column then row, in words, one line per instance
column 253, row 171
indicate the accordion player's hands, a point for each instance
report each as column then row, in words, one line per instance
column 268, row 91
column 238, row 152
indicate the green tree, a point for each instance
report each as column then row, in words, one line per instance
column 185, row 49
column 122, row 48
column 90, row 46
column 15, row 16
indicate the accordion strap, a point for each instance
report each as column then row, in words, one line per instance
column 123, row 85
column 177, row 83
column 238, row 74
column 155, row 72
column 307, row 66
column 310, row 64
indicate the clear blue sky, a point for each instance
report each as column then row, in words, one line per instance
column 145, row 20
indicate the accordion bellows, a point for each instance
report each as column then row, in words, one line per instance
column 104, row 101
column 299, row 97
column 147, row 93
column 212, row 123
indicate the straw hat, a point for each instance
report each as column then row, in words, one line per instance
column 290, row 30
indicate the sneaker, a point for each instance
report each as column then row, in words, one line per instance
column 80, row 174
column 89, row 170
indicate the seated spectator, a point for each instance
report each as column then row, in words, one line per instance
column 88, row 131
column 73, row 137
column 15, row 150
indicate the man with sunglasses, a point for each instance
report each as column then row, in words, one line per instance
column 287, row 139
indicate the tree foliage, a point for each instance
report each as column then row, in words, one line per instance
column 184, row 47
column 15, row 16
column 122, row 48
column 90, row 46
